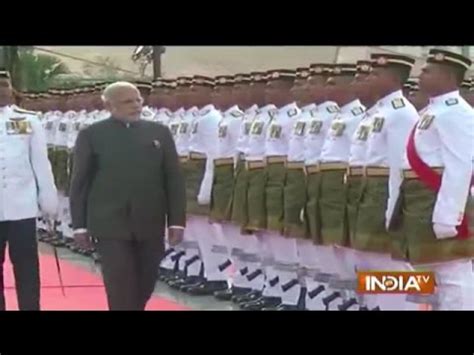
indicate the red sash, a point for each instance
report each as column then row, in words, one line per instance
column 431, row 179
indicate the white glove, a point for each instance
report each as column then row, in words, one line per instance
column 302, row 215
column 444, row 231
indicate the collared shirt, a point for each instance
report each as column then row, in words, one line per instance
column 316, row 131
column 296, row 148
column 444, row 137
column 257, row 135
column 358, row 153
column 184, row 130
column 244, row 132
column 279, row 130
column 336, row 147
column 228, row 132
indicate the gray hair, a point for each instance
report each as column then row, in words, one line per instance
column 110, row 90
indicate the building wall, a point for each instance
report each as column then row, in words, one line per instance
column 215, row 60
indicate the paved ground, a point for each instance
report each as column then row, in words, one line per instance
column 162, row 290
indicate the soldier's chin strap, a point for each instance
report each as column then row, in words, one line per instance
column 430, row 178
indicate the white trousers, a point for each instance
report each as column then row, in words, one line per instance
column 384, row 262
column 455, row 286
column 191, row 246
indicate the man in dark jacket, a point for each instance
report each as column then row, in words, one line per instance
column 126, row 187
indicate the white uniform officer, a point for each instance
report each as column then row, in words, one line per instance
column 437, row 177
column 391, row 124
column 318, row 125
column 333, row 165
column 26, row 190
column 202, row 145
column 280, row 264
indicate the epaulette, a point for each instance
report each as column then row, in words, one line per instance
column 332, row 109
column 273, row 112
column 19, row 110
column 236, row 113
column 168, row 113
column 398, row 103
column 195, row 113
column 204, row 113
column 452, row 102
column 292, row 112
column 357, row 111
column 314, row 112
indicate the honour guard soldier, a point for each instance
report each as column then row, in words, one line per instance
column 186, row 259
column 358, row 151
column 26, row 189
column 437, row 176
column 229, row 134
column 294, row 197
column 333, row 166
column 218, row 261
column 251, row 210
column 267, row 218
column 247, row 282
column 391, row 124
column 309, row 250
column 164, row 100
column 202, row 150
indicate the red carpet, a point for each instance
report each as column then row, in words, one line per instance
column 84, row 290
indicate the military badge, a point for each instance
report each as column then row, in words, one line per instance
column 174, row 129
column 332, row 109
column 363, row 133
column 247, row 128
column 222, row 131
column 195, row 128
column 398, row 103
column 236, row 114
column 156, row 143
column 257, row 128
column 338, row 128
column 426, row 122
column 183, row 128
column 62, row 127
column 313, row 112
column 299, row 128
column 24, row 127
column 275, row 131
column 451, row 102
column 357, row 111
column 378, row 124
column 292, row 112
column 315, row 127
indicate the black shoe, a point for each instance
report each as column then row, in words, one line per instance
column 207, row 288
column 287, row 307
column 227, row 295
column 247, row 297
column 263, row 302
column 186, row 287
column 176, row 284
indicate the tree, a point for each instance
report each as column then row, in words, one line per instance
column 106, row 68
column 39, row 70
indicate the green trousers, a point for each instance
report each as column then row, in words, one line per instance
column 239, row 196
column 354, row 194
column 413, row 238
column 274, row 189
column 256, row 201
column 294, row 203
column 370, row 229
column 332, row 203
column 194, row 173
column 221, row 198
column 312, row 214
